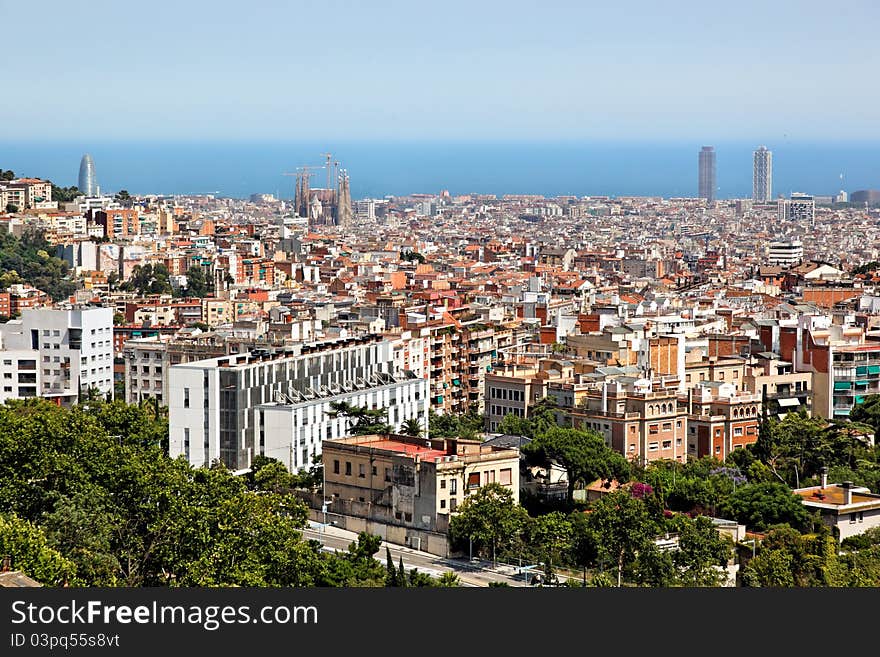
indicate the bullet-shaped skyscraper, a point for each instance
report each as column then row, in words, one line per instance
column 762, row 175
column 88, row 183
column 707, row 173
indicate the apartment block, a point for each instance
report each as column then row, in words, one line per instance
column 57, row 353
column 721, row 419
column 214, row 404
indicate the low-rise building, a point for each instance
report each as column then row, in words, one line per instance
column 414, row 481
column 847, row 510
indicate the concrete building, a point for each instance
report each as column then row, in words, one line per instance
column 226, row 408
column 762, row 175
column 639, row 418
column 707, row 184
column 721, row 419
column 785, row 254
column 415, row 482
column 57, row 354
column 847, row 510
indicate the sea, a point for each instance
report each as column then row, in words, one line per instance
column 380, row 168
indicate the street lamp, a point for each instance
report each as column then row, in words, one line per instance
column 324, row 511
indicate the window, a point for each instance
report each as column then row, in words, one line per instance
column 7, row 375
column 737, row 431
column 667, row 426
column 632, row 447
column 442, row 504
column 506, row 476
column 653, row 428
column 362, row 471
column 387, row 474
column 442, row 484
column 348, row 468
column 453, row 486
column 678, row 424
column 687, row 378
column 717, row 449
column 186, row 397
column 473, row 480
column 335, row 466
column 735, row 374
column 702, row 376
column 653, row 446
column 453, row 504
column 374, row 471
column 7, row 388
column 721, row 376
column 667, row 444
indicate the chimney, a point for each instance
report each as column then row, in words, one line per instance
column 847, row 492
column 823, row 471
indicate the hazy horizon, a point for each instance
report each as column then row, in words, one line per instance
column 379, row 168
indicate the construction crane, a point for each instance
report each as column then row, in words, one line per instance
column 329, row 165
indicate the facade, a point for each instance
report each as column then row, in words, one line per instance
column 707, row 184
column 638, row 418
column 413, row 481
column 786, row 254
column 87, row 181
column 762, row 175
column 57, row 354
column 799, row 209
column 146, row 370
column 721, row 419
column 214, row 403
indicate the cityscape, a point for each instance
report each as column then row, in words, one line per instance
column 327, row 382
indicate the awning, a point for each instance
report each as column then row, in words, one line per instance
column 862, row 383
column 860, row 399
column 862, row 369
column 873, row 369
column 842, row 385
column 789, row 401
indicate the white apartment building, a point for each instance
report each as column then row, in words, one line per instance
column 235, row 407
column 784, row 254
column 57, row 353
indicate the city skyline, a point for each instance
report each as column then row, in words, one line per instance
column 472, row 71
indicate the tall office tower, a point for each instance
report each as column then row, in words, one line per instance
column 88, row 183
column 762, row 175
column 707, row 173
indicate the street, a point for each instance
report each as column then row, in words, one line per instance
column 477, row 574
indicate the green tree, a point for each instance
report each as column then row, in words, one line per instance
column 31, row 553
column 583, row 454
column 758, row 506
column 449, row 580
column 9, row 174
column 490, row 518
column 361, row 421
column 11, row 208
column 550, row 535
column 624, row 531
column 390, row 570
column 197, row 284
column 412, row 427
column 702, row 551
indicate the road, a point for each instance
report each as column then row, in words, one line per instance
column 477, row 574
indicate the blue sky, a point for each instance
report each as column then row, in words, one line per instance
column 411, row 70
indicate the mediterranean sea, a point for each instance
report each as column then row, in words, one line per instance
column 581, row 168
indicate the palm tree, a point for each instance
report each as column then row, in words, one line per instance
column 412, row 427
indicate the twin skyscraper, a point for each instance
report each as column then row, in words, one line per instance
column 762, row 174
